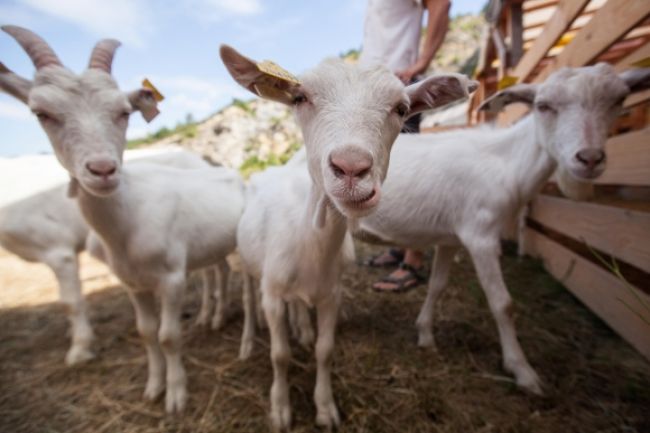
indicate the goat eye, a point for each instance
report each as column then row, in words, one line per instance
column 42, row 117
column 299, row 99
column 125, row 115
column 544, row 107
column 401, row 110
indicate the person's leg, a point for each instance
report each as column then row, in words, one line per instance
column 405, row 277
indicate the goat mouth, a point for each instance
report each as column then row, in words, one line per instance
column 364, row 202
column 101, row 188
column 586, row 173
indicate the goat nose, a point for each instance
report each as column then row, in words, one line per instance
column 590, row 157
column 101, row 167
column 351, row 163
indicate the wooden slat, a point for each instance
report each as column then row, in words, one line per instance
column 561, row 20
column 516, row 34
column 628, row 159
column 532, row 5
column 637, row 98
column 598, row 289
column 610, row 23
column 640, row 53
column 622, row 233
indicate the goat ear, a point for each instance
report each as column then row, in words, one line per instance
column 524, row 93
column 265, row 79
column 439, row 90
column 637, row 79
column 16, row 86
column 144, row 101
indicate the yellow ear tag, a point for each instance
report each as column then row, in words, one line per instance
column 269, row 68
column 156, row 94
column 507, row 81
column 643, row 63
column 274, row 82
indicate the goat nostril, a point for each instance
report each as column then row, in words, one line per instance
column 338, row 171
column 363, row 172
column 600, row 158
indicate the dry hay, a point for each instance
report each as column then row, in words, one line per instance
column 382, row 382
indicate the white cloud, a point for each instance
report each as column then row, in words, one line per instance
column 14, row 111
column 211, row 11
column 235, row 7
column 128, row 20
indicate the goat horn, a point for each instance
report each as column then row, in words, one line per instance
column 37, row 49
column 102, row 55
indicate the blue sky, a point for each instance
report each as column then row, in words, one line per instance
column 175, row 44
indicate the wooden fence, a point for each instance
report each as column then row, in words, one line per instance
column 527, row 41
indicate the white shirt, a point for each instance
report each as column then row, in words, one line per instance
column 391, row 34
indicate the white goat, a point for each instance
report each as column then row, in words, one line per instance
column 292, row 230
column 155, row 223
column 462, row 187
column 47, row 227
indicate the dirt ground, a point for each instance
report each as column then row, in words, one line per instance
column 594, row 381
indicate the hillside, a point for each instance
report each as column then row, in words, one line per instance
column 253, row 134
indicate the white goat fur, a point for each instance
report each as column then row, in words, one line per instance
column 155, row 223
column 460, row 188
column 47, row 227
column 293, row 227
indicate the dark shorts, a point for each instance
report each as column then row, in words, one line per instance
column 412, row 124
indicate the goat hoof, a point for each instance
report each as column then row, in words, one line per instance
column 153, row 390
column 245, row 350
column 217, row 322
column 306, row 339
column 328, row 416
column 531, row 385
column 528, row 380
column 281, row 418
column 78, row 355
column 426, row 340
column 175, row 399
column 202, row 321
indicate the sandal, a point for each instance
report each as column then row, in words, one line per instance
column 409, row 280
column 391, row 257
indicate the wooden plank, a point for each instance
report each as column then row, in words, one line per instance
column 610, row 23
column 561, row 20
column 532, row 5
column 598, row 289
column 622, row 233
column 628, row 159
column 637, row 98
column 515, row 19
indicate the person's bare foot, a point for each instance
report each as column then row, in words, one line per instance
column 403, row 278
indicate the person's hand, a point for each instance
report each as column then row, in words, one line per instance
column 407, row 74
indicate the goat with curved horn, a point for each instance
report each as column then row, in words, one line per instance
column 38, row 50
column 102, row 55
